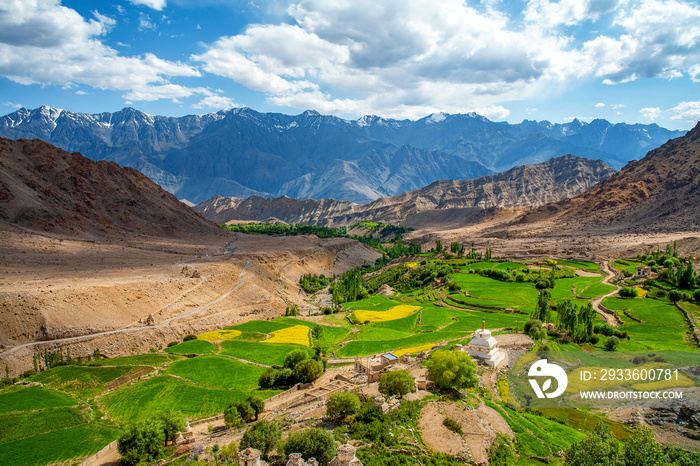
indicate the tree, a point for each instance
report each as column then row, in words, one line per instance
column 172, row 422
column 262, row 436
column 543, row 311
column 612, row 343
column 696, row 296
column 231, row 417
column 315, row 442
column 396, row 383
column 628, row 293
column 532, row 327
column 267, row 378
column 341, row 405
column 307, row 371
column 642, row 449
column 295, row 357
column 686, row 276
column 141, row 441
column 452, row 370
column 257, row 404
column 599, row 448
column 674, row 296
column 316, row 333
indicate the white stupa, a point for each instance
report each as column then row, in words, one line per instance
column 485, row 347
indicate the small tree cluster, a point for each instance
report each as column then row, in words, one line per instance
column 577, row 322
column 311, row 443
column 342, row 405
column 239, row 413
column 396, row 383
column 262, row 436
column 145, row 440
column 298, row 368
column 452, row 370
column 628, row 293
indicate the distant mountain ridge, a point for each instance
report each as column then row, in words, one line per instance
column 241, row 152
column 441, row 202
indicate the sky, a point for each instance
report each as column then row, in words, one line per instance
column 632, row 61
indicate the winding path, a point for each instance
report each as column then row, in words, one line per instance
column 135, row 329
column 610, row 274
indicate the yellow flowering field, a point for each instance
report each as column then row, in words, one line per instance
column 296, row 335
column 641, row 291
column 396, row 312
column 410, row 265
column 218, row 335
column 414, row 349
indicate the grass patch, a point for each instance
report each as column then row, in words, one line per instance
column 192, row 347
column 152, row 396
column 16, row 399
column 596, row 289
column 261, row 353
column 59, row 445
column 81, row 380
column 148, row 359
column 218, row 371
column 15, row 426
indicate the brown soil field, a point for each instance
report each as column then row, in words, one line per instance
column 57, row 291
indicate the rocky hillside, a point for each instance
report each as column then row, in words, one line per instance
column 440, row 202
column 47, row 189
column 241, row 152
column 661, row 190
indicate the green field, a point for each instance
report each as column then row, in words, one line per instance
column 664, row 327
column 147, row 359
column 192, row 347
column 261, row 353
column 15, row 399
column 39, row 426
column 81, row 380
column 195, row 401
column 218, row 371
column 596, row 289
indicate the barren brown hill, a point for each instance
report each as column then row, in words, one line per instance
column 449, row 203
column 659, row 192
column 47, row 189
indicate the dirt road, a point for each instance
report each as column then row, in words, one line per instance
column 610, row 274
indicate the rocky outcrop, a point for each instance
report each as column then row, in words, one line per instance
column 439, row 203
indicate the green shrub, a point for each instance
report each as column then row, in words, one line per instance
column 315, row 442
column 262, row 436
column 173, row 343
column 141, row 441
column 628, row 293
column 307, row 371
column 532, row 327
column 343, row 404
column 295, row 357
column 189, row 337
column 453, row 426
column 396, row 383
column 267, row 378
column 612, row 343
column 452, row 370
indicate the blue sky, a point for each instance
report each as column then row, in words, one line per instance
column 634, row 61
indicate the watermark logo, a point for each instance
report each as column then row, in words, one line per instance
column 542, row 368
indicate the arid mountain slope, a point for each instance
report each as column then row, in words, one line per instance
column 47, row 189
column 660, row 191
column 441, row 202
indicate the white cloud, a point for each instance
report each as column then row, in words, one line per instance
column 687, row 111
column 12, row 105
column 549, row 14
column 650, row 114
column 79, row 92
column 46, row 43
column 155, row 4
column 216, row 102
column 599, row 105
column 395, row 58
column 661, row 39
column 146, row 23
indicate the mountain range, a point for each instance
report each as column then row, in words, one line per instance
column 660, row 192
column 241, row 152
column 453, row 202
